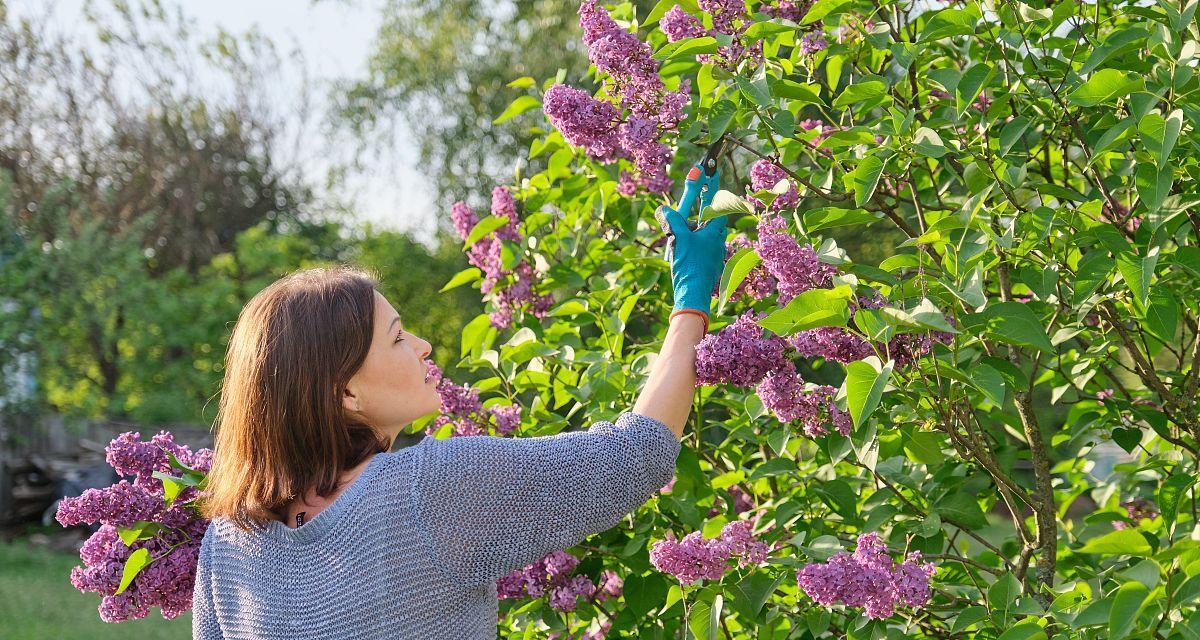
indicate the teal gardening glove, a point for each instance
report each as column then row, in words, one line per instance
column 697, row 257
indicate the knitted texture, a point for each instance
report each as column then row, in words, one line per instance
column 413, row 548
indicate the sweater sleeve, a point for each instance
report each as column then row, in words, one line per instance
column 204, row 620
column 489, row 505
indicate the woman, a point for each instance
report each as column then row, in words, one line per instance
column 320, row 531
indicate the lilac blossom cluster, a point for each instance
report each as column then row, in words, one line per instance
column 486, row 254
column 788, row 10
column 728, row 19
column 868, row 578
column 462, row 408
column 765, row 174
column 168, row 580
column 784, row 392
column 695, row 557
column 598, row 126
column 550, row 576
column 794, row 266
column 1138, row 509
column 739, row 354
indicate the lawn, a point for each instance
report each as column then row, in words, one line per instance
column 37, row 601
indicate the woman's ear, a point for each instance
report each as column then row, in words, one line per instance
column 350, row 401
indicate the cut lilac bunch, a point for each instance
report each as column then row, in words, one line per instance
column 486, row 254
column 695, row 557
column 868, row 578
column 645, row 110
column 550, row 576
column 462, row 408
column 144, row 553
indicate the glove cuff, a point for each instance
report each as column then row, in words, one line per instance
column 698, row 312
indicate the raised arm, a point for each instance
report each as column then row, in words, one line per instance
column 489, row 505
column 667, row 396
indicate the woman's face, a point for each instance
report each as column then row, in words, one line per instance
column 390, row 389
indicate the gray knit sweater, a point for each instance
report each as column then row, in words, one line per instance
column 412, row 549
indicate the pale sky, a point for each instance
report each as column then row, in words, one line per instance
column 335, row 37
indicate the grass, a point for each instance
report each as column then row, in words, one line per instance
column 37, row 601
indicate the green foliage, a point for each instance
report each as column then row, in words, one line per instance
column 1020, row 175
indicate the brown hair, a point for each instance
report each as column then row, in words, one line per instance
column 281, row 427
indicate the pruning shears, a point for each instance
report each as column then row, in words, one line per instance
column 701, row 183
column 698, row 189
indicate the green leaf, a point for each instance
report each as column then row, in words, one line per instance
column 719, row 118
column 968, row 617
column 1113, row 43
column 811, row 309
column 1003, row 593
column 865, row 381
column 924, row 447
column 948, row 22
column 644, row 594
column 141, row 530
column 133, row 565
column 704, row 621
column 1012, row 133
column 971, row 84
column 757, row 91
column 736, row 268
column 793, row 90
column 822, row 8
column 1171, row 493
column 867, row 89
column 1161, row 315
column 1106, row 85
column 927, row 315
column 685, row 47
column 1153, row 185
column 830, row 217
column 927, row 143
column 1015, row 323
column 474, row 334
column 725, row 203
column 517, row 107
column 1126, row 605
column 470, row 274
column 1026, row 629
column 1093, row 271
column 484, row 227
column 961, row 507
column 760, row 30
column 749, row 595
column 864, row 179
column 1117, row 543
column 1138, row 271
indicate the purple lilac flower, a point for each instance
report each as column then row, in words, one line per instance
column 462, row 408
column 168, row 580
column 795, row 266
column 788, row 10
column 812, row 43
column 739, row 354
column 1138, row 509
column 503, row 204
column 738, row 499
column 695, row 557
column 784, row 393
column 464, row 219
column 868, row 579
column 636, row 85
column 551, row 576
column 823, row 131
column 723, row 13
column 584, row 121
column 765, row 174
column 830, row 343
column 678, row 24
